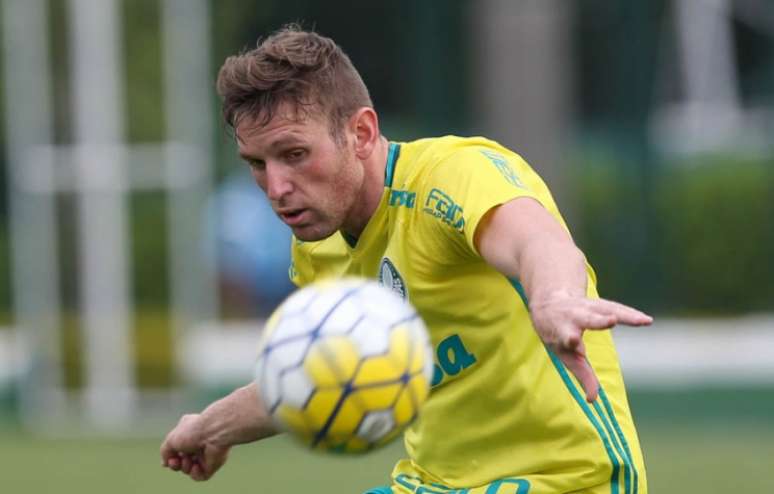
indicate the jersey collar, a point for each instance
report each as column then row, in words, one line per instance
column 393, row 152
column 392, row 157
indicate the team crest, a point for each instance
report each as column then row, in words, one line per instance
column 389, row 277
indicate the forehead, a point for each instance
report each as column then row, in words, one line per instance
column 286, row 120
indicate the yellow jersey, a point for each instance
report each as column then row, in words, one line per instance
column 504, row 415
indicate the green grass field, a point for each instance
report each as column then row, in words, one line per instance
column 685, row 458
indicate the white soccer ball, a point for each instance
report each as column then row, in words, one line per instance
column 344, row 365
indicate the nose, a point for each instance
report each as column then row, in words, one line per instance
column 278, row 183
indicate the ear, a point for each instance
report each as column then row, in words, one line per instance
column 365, row 127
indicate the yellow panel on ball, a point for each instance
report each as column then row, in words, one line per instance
column 318, row 368
column 296, row 420
column 332, row 361
column 419, row 386
column 404, row 410
column 342, row 355
column 378, row 397
column 346, row 421
column 357, row 445
column 352, row 445
column 321, row 406
column 377, row 370
column 400, row 342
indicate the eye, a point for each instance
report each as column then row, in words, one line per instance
column 256, row 164
column 296, row 154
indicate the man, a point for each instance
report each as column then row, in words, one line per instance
column 467, row 232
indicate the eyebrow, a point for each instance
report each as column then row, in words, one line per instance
column 281, row 142
column 247, row 157
column 284, row 141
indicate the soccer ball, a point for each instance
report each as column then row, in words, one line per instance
column 344, row 365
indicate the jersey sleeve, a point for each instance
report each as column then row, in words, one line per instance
column 462, row 187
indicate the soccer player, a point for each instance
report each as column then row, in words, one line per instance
column 524, row 398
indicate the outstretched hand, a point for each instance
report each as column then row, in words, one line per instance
column 560, row 321
column 185, row 451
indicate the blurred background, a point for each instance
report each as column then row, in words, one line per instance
column 137, row 259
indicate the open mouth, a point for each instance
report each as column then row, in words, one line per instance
column 293, row 216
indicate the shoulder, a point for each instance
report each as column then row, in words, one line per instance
column 466, row 165
column 455, row 157
column 462, row 179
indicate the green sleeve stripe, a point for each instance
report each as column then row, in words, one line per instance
column 605, row 434
column 621, row 436
column 515, row 283
column 614, row 478
column 392, row 157
column 628, row 467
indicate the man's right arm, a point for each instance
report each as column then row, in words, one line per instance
column 199, row 444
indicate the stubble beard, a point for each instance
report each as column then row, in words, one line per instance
column 315, row 232
column 341, row 204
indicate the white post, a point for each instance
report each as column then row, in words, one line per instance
column 188, row 91
column 710, row 114
column 522, row 84
column 707, row 57
column 98, row 130
column 28, row 123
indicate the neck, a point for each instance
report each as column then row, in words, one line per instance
column 371, row 193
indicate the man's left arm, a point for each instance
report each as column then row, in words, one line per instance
column 522, row 239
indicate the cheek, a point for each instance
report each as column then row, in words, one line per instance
column 259, row 178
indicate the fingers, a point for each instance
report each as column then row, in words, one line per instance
column 202, row 467
column 561, row 321
column 179, row 462
column 197, row 473
column 188, row 464
column 183, row 448
column 623, row 313
column 214, row 457
column 173, row 464
column 572, row 353
column 168, row 455
column 199, row 466
column 596, row 320
column 575, row 360
column 194, row 468
column 587, row 379
column 604, row 314
column 585, row 313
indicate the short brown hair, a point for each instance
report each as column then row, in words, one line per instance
column 303, row 68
